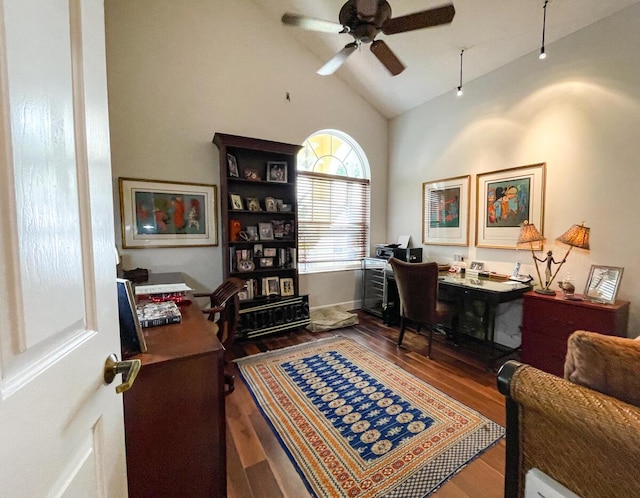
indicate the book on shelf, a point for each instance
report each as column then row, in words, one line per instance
column 154, row 314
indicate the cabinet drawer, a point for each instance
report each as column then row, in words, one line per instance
column 543, row 353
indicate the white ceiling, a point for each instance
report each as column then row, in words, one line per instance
column 492, row 32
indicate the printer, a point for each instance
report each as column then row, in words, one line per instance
column 408, row 254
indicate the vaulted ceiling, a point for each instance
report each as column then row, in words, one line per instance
column 491, row 32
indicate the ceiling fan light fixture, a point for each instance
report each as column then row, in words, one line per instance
column 543, row 54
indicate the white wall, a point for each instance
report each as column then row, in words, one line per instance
column 578, row 111
column 181, row 70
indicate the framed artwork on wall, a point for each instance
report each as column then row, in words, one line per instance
column 445, row 211
column 507, row 198
column 156, row 213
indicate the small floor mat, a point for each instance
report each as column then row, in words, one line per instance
column 330, row 318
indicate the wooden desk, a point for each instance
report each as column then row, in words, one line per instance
column 174, row 413
column 459, row 291
column 548, row 321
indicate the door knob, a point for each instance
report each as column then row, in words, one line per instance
column 128, row 368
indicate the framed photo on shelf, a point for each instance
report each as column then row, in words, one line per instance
column 156, row 213
column 270, row 252
column 602, row 284
column 445, row 211
column 271, row 286
column 236, row 202
column 270, row 204
column 252, row 233
column 252, row 174
column 286, row 287
column 265, row 231
column 277, row 171
column 266, row 262
column 253, row 204
column 257, row 251
column 233, row 165
column 506, row 199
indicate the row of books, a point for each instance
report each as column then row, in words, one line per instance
column 266, row 287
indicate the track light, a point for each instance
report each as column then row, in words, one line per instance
column 543, row 54
column 460, row 92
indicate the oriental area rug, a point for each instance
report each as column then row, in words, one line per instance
column 357, row 425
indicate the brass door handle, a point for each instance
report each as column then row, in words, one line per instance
column 128, row 368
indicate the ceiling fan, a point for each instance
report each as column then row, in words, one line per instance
column 364, row 19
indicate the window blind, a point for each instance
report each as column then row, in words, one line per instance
column 333, row 218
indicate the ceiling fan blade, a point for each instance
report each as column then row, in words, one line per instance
column 384, row 54
column 419, row 20
column 311, row 23
column 337, row 60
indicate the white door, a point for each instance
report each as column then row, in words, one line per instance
column 61, row 427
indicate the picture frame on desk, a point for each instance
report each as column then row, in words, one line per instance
column 445, row 211
column 156, row 213
column 506, row 199
column 132, row 339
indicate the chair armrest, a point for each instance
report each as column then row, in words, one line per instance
column 584, row 439
column 216, row 309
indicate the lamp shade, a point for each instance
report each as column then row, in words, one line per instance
column 529, row 233
column 576, row 236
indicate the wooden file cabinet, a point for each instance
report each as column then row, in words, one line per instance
column 548, row 321
column 174, row 413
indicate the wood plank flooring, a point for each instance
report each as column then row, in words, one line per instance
column 257, row 466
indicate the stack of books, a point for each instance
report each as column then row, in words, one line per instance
column 154, row 314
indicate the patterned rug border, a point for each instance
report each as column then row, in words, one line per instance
column 402, row 490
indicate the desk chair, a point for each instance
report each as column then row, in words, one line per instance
column 224, row 308
column 418, row 289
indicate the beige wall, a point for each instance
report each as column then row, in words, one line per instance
column 181, row 70
column 578, row 111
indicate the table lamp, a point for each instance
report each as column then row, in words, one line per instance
column 528, row 235
column 576, row 236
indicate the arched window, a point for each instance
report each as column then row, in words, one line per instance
column 333, row 202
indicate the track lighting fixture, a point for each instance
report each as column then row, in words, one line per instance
column 460, row 85
column 543, row 54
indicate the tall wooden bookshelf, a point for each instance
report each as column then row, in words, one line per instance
column 259, row 232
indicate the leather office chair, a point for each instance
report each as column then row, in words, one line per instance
column 418, row 289
column 223, row 309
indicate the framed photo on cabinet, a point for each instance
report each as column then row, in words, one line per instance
column 445, row 211
column 157, row 213
column 506, row 199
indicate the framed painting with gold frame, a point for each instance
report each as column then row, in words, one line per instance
column 507, row 198
column 156, row 213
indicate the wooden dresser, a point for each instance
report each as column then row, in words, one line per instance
column 548, row 321
column 174, row 413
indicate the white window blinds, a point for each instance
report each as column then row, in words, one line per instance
column 333, row 218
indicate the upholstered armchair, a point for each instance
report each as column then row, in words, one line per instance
column 583, row 431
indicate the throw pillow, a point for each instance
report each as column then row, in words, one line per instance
column 608, row 364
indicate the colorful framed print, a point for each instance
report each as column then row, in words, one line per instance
column 506, row 199
column 157, row 213
column 445, row 211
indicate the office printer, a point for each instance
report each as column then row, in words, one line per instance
column 408, row 254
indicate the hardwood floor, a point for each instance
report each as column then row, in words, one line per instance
column 257, row 466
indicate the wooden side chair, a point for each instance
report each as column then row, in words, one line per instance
column 418, row 290
column 224, row 309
